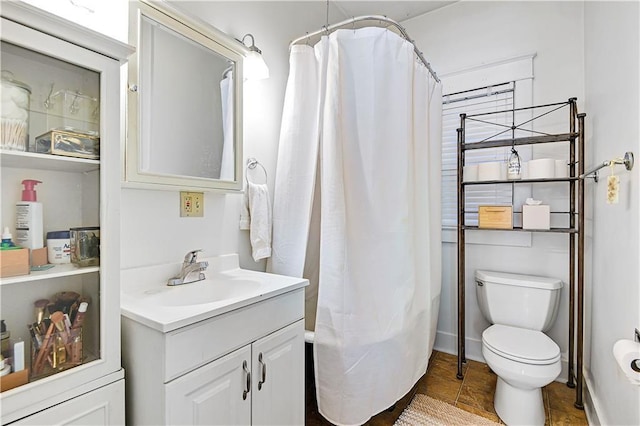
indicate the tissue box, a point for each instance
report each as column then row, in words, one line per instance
column 495, row 217
column 536, row 217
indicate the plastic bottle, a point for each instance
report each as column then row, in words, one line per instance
column 29, row 230
column 514, row 166
column 7, row 244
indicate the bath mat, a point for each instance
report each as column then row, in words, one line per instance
column 426, row 411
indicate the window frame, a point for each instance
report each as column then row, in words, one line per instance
column 518, row 70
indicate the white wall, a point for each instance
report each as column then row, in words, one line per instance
column 465, row 35
column 612, row 46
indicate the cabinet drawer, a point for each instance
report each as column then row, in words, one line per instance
column 190, row 347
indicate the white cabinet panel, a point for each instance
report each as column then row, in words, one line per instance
column 103, row 406
column 212, row 394
column 278, row 377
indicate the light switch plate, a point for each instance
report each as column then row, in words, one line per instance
column 191, row 204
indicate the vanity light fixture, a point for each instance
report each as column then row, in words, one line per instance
column 255, row 68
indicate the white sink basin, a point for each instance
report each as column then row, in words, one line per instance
column 214, row 289
column 146, row 298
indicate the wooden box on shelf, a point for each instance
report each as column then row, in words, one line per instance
column 495, row 217
column 13, row 380
column 14, row 262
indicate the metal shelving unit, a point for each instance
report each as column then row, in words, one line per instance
column 575, row 231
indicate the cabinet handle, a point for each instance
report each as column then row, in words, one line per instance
column 263, row 366
column 248, row 373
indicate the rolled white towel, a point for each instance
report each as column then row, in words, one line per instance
column 260, row 226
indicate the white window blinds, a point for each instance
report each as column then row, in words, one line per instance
column 487, row 99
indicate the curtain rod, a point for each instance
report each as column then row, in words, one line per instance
column 379, row 18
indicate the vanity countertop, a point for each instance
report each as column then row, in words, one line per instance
column 147, row 299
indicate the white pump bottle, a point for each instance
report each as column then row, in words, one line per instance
column 29, row 228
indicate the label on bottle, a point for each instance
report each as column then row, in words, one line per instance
column 22, row 216
column 513, row 172
column 29, row 225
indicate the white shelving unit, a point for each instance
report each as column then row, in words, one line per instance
column 49, row 53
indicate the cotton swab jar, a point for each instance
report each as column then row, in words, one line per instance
column 14, row 122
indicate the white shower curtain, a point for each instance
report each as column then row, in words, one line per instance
column 227, row 166
column 378, row 124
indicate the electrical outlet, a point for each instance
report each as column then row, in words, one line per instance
column 191, row 204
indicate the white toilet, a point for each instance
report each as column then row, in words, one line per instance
column 520, row 307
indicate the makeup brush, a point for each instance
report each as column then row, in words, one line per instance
column 40, row 307
column 58, row 320
column 43, row 350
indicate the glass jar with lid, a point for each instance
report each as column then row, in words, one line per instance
column 14, row 120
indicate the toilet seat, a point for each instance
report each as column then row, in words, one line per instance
column 521, row 345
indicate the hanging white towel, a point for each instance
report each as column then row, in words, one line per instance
column 259, row 208
column 245, row 217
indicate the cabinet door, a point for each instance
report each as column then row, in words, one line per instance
column 212, row 394
column 278, row 377
column 103, row 406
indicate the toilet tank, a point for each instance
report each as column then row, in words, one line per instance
column 526, row 301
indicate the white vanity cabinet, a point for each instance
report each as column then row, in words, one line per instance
column 261, row 383
column 51, row 55
column 244, row 366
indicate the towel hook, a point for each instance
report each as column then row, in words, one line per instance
column 252, row 163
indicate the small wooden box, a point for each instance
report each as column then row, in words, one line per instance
column 38, row 257
column 13, row 380
column 14, row 262
column 495, row 217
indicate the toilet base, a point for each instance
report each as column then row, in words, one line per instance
column 517, row 406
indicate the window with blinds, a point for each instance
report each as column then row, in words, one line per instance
column 488, row 99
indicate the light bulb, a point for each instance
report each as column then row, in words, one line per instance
column 254, row 67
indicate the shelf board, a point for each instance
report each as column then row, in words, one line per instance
column 61, row 270
column 529, row 140
column 546, row 180
column 476, row 212
column 34, row 160
column 519, row 229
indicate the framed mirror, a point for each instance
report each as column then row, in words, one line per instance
column 184, row 102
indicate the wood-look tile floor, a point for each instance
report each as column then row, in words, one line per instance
column 473, row 394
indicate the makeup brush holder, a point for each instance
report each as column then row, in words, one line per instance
column 61, row 351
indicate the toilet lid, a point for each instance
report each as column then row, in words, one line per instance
column 522, row 345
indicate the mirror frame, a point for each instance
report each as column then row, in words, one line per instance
column 209, row 37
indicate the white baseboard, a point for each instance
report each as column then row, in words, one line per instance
column 448, row 343
column 591, row 403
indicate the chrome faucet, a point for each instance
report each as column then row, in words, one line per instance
column 191, row 270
